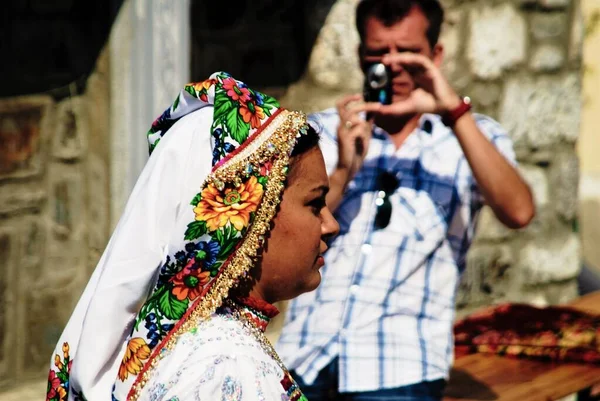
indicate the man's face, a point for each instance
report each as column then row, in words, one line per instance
column 407, row 35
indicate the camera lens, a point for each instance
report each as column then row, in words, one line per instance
column 377, row 76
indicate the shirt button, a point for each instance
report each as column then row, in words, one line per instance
column 343, row 333
column 366, row 248
column 354, row 289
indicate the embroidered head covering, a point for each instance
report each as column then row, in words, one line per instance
column 214, row 242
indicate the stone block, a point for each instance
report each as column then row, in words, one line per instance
column 24, row 123
column 536, row 178
column 544, row 295
column 547, row 58
column 546, row 26
column 489, row 228
column 577, row 35
column 33, row 233
column 487, row 275
column 562, row 293
column 18, row 198
column 70, row 137
column 542, row 111
column 450, row 37
column 492, row 47
column 67, row 202
column 485, row 94
column 544, row 223
column 8, row 325
column 66, row 251
column 548, row 5
column 564, row 180
column 48, row 310
column 97, row 187
column 333, row 63
column 550, row 259
column 333, row 68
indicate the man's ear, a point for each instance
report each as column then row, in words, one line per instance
column 437, row 55
column 360, row 51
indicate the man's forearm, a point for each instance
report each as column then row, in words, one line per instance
column 337, row 185
column 501, row 185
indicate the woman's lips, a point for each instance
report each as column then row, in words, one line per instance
column 320, row 260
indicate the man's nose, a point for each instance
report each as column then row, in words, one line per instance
column 395, row 67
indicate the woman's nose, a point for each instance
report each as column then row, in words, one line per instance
column 330, row 227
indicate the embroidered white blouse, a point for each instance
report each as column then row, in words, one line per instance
column 220, row 359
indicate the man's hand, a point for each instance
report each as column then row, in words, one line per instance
column 354, row 133
column 433, row 94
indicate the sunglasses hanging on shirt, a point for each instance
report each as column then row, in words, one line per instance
column 386, row 185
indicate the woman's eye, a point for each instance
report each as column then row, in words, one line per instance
column 317, row 205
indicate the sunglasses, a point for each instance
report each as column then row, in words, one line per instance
column 386, row 185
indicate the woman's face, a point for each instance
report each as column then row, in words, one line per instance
column 293, row 253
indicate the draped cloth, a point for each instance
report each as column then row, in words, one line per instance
column 553, row 333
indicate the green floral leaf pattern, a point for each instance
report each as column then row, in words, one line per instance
column 195, row 229
column 172, row 307
column 196, row 199
column 236, row 126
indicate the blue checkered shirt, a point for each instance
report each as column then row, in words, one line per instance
column 385, row 305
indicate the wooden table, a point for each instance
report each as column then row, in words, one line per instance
column 484, row 377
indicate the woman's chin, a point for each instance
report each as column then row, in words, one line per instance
column 314, row 282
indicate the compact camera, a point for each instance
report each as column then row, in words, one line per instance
column 378, row 83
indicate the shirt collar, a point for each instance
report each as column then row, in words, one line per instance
column 428, row 123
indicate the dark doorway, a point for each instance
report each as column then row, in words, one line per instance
column 47, row 45
column 264, row 43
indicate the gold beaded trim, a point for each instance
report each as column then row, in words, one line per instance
column 275, row 142
column 278, row 137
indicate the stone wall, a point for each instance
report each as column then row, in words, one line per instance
column 520, row 62
column 54, row 218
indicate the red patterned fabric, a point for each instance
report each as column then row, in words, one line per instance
column 259, row 305
column 555, row 333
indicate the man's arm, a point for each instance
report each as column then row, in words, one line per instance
column 501, row 185
column 499, row 182
column 353, row 138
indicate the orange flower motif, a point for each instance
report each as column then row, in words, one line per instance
column 251, row 113
column 57, row 362
column 188, row 282
column 202, row 88
column 65, row 349
column 233, row 206
column 136, row 353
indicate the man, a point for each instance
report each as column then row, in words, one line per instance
column 407, row 185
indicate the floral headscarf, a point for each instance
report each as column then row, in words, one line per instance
column 223, row 230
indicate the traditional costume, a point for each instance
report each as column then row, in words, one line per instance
column 156, row 320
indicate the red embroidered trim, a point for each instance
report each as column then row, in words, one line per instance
column 248, row 141
column 260, row 305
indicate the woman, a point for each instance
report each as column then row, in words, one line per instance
column 178, row 304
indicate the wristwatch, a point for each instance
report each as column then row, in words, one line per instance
column 451, row 117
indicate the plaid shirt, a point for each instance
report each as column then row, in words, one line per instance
column 385, row 305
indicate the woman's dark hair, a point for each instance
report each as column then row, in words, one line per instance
column 391, row 11
column 306, row 142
